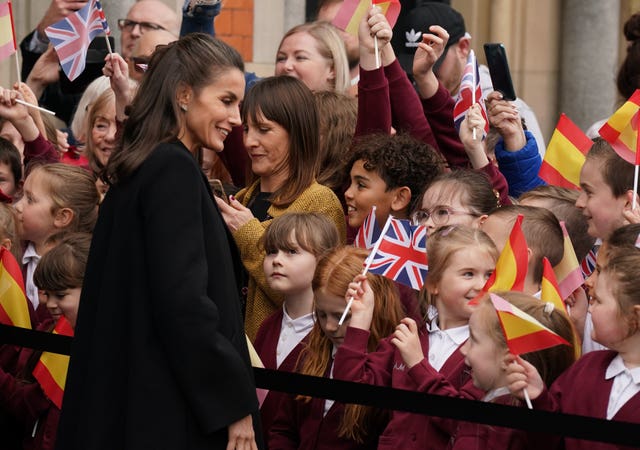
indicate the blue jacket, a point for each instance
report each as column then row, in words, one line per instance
column 521, row 167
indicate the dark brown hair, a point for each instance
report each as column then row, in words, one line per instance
column 195, row 60
column 288, row 102
column 63, row 266
column 616, row 172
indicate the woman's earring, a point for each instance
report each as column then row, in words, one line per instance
column 183, row 107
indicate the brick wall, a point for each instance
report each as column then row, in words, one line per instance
column 234, row 25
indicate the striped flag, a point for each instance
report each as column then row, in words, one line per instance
column 568, row 271
column 549, row 290
column 402, row 253
column 469, row 93
column 512, row 265
column 7, row 31
column 14, row 309
column 51, row 369
column 351, row 13
column 523, row 333
column 621, row 130
column 565, row 155
column 369, row 231
column 73, row 34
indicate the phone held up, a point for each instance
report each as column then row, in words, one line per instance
column 499, row 70
column 218, row 189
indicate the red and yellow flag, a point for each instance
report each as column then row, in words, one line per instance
column 7, row 31
column 351, row 13
column 621, row 130
column 523, row 332
column 51, row 369
column 565, row 155
column 512, row 265
column 549, row 291
column 568, row 272
column 14, row 309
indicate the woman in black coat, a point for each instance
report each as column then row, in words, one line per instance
column 159, row 359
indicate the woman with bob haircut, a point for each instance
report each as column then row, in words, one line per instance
column 281, row 138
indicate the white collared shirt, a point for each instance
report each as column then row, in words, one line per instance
column 30, row 260
column 497, row 392
column 442, row 343
column 329, row 403
column 292, row 331
column 626, row 384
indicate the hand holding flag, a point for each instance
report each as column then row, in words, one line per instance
column 351, row 13
column 469, row 94
column 523, row 332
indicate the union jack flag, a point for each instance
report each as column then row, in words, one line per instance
column 369, row 231
column 402, row 253
column 73, row 34
column 466, row 97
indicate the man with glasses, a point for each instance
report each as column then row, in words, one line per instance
column 42, row 73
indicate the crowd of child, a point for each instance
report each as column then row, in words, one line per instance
column 306, row 163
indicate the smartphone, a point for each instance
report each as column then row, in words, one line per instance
column 218, row 189
column 499, row 70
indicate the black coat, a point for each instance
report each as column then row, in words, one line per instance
column 159, row 359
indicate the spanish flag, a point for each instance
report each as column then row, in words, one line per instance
column 7, row 32
column 51, row 369
column 512, row 265
column 565, row 155
column 549, row 291
column 523, row 333
column 351, row 13
column 621, row 130
column 14, row 309
column 568, row 272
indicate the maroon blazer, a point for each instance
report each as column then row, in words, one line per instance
column 385, row 367
column 266, row 344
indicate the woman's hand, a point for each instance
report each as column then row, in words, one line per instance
column 362, row 304
column 117, row 70
column 504, row 116
column 241, row 435
column 235, row 214
column 407, row 340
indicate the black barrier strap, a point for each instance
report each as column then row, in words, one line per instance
column 581, row 427
column 39, row 340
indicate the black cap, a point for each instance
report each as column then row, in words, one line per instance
column 408, row 30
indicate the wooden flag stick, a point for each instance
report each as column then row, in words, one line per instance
column 369, row 260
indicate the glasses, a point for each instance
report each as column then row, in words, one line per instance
column 440, row 215
column 129, row 25
column 140, row 63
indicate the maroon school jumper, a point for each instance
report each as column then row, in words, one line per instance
column 582, row 389
column 301, row 426
column 430, row 120
column 266, row 345
column 469, row 435
column 29, row 405
column 385, row 367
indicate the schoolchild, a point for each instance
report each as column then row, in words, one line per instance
column 610, row 377
column 293, row 243
column 461, row 259
column 314, row 423
column 57, row 197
